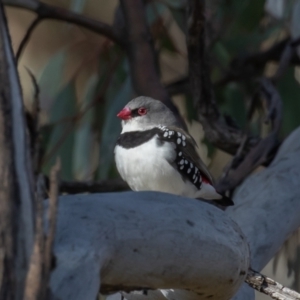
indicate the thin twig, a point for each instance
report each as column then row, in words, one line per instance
column 35, row 280
column 27, row 36
column 244, row 68
column 34, row 125
column 252, row 65
column 103, row 186
column 284, row 61
column 270, row 287
column 52, row 213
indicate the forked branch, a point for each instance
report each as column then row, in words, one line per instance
column 219, row 131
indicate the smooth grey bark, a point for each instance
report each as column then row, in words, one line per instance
column 145, row 240
column 16, row 184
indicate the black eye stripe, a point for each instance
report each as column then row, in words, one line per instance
column 135, row 113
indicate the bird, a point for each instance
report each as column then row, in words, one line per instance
column 154, row 153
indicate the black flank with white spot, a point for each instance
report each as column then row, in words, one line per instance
column 185, row 167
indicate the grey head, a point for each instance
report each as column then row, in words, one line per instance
column 145, row 112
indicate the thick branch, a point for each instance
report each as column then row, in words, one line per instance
column 46, row 11
column 16, row 189
column 139, row 241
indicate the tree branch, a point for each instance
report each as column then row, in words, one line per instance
column 141, row 54
column 34, row 280
column 46, row 11
column 270, row 287
column 242, row 165
column 217, row 129
column 245, row 68
column 52, row 221
column 138, row 241
column 25, row 39
column 16, row 176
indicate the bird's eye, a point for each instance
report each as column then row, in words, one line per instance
column 142, row 111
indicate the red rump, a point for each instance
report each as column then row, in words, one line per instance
column 205, row 179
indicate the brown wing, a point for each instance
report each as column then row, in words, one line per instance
column 186, row 152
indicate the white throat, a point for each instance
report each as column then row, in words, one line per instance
column 134, row 125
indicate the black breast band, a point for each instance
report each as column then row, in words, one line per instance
column 134, row 139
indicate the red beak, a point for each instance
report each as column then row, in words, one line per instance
column 124, row 114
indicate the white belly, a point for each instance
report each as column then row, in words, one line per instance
column 146, row 167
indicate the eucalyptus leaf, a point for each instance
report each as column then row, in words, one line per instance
column 154, row 10
column 62, row 135
column 179, row 16
column 77, row 5
column 233, row 104
column 50, row 79
column 177, row 4
column 243, row 31
column 84, row 137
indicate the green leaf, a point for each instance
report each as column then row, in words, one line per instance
column 243, row 32
column 177, row 4
column 112, row 127
column 51, row 78
column 84, row 138
column 233, row 103
column 179, row 16
column 167, row 43
column 154, row 10
column 64, row 106
column 77, row 5
column 222, row 54
column 190, row 108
